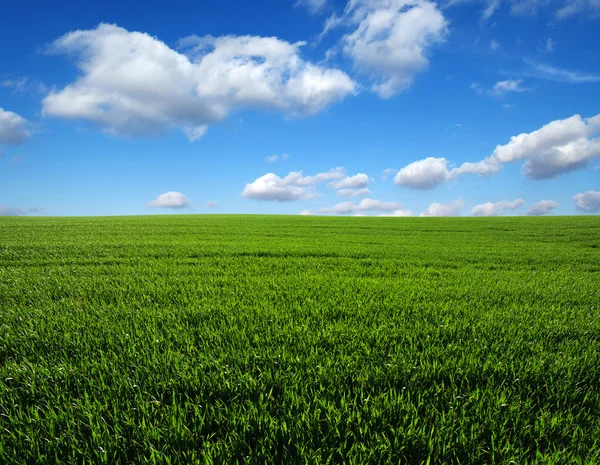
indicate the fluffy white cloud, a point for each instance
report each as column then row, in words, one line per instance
column 557, row 148
column 495, row 209
column 511, row 85
column 170, row 200
column 365, row 205
column 588, row 201
column 357, row 181
column 306, row 213
column 8, row 211
column 14, row 129
column 133, row 84
column 423, row 174
column 398, row 212
column 353, row 192
column 295, row 186
column 541, row 208
column 444, row 209
column 391, row 40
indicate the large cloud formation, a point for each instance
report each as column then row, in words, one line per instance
column 391, row 40
column 135, row 85
column 588, row 201
column 557, row 148
column 294, row 186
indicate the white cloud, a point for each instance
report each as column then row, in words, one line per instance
column 541, row 208
column 8, row 211
column 133, row 84
column 24, row 85
column 495, row 209
column 211, row 204
column 557, row 148
column 273, row 158
column 444, row 209
column 365, row 205
column 387, row 173
column 391, row 40
column 588, row 201
column 551, row 73
column 575, row 7
column 423, row 174
column 511, row 85
column 549, row 46
column 170, row 200
column 494, row 45
column 489, row 10
column 398, row 212
column 314, row 6
column 306, row 213
column 357, row 181
column 500, row 88
column 353, row 192
column 14, row 129
column 272, row 187
column 295, row 186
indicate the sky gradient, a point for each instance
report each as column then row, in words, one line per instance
column 365, row 107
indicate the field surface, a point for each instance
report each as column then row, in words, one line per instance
column 299, row 340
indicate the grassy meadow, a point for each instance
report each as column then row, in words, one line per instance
column 195, row 339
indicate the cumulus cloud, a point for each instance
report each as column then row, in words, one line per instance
column 391, row 40
column 306, row 213
column 357, row 181
column 557, row 148
column 170, row 200
column 541, row 208
column 353, row 192
column 444, row 209
column 588, row 201
column 398, row 212
column 295, row 186
column 133, row 84
column 423, row 174
column 8, row 211
column 495, row 209
column 14, row 129
column 365, row 205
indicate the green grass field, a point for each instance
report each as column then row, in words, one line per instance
column 272, row 339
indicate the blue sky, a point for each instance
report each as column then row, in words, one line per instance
column 365, row 107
